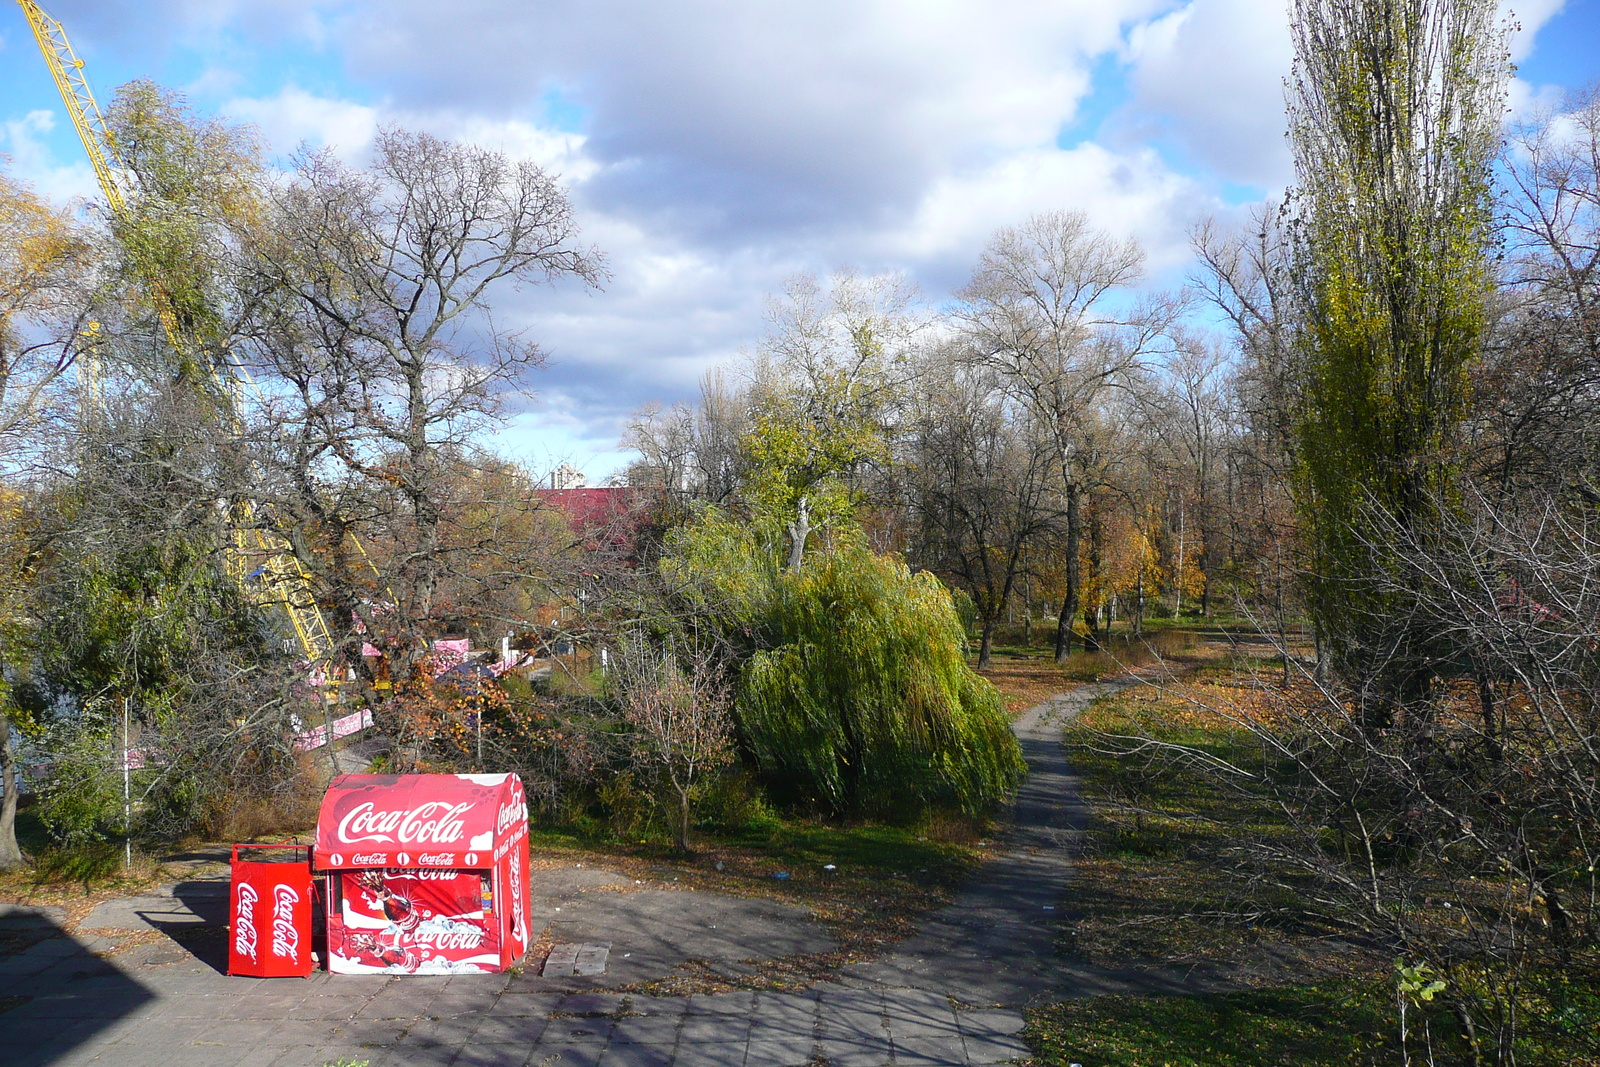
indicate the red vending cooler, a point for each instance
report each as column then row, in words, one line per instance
column 426, row 873
column 269, row 912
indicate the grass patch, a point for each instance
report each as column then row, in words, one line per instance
column 1169, row 874
column 1306, row 1026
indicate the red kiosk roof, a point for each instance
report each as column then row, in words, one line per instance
column 419, row 820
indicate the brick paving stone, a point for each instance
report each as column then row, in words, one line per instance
column 310, row 1056
column 536, row 1005
column 741, row 1002
column 636, row 1055
column 990, row 1021
column 365, row 1031
column 508, row 1029
column 853, row 1025
column 701, row 1030
column 646, row 1030
column 930, row 1056
column 333, row 1009
column 852, row 1000
column 931, row 1025
column 54, row 948
column 590, row 1004
column 452, row 1003
column 724, row 1050
column 658, row 1005
column 559, row 1055
column 776, row 1054
column 773, row 1042
column 493, row 1054
column 995, row 1048
column 578, row 1031
column 16, row 966
column 453, row 1030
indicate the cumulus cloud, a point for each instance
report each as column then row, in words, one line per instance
column 293, row 115
column 30, row 159
column 714, row 148
column 1209, row 77
column 723, row 120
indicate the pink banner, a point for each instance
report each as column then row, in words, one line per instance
column 317, row 736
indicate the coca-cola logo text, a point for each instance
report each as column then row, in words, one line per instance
column 443, row 940
column 370, row 859
column 436, row 822
column 244, row 921
column 285, row 935
column 508, row 815
column 437, row 859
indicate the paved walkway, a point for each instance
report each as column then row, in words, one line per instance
column 951, row 995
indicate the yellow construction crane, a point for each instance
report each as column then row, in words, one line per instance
column 283, row 579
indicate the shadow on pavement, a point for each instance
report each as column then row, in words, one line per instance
column 202, row 930
column 56, row 994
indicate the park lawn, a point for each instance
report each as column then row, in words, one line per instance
column 1308, row 1026
column 1168, row 882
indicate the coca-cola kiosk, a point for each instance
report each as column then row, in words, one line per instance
column 424, row 873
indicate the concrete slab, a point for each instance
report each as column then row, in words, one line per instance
column 174, row 905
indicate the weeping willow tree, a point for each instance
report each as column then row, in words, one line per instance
column 864, row 702
column 1395, row 114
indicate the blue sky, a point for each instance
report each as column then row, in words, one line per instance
column 715, row 147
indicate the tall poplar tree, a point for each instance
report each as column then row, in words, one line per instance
column 1395, row 113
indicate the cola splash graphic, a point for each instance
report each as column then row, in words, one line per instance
column 394, row 944
column 430, row 920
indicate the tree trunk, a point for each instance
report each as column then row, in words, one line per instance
column 799, row 530
column 684, row 818
column 1069, row 602
column 1091, row 615
column 986, row 641
column 10, row 854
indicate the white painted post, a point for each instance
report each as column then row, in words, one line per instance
column 127, row 794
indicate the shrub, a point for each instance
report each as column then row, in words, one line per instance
column 863, row 702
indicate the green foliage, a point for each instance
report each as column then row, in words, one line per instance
column 80, row 802
column 134, row 622
column 199, row 185
column 806, row 443
column 1395, row 122
column 864, row 702
column 722, row 568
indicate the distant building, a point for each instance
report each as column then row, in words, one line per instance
column 566, row 476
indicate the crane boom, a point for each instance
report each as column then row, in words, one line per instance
column 281, row 573
column 67, row 69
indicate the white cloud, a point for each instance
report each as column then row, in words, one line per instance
column 759, row 117
column 32, row 160
column 1210, row 77
column 1124, row 193
column 1528, row 16
column 713, row 148
column 294, row 115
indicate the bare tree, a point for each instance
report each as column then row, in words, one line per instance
column 679, row 715
column 978, row 481
column 1038, row 310
column 370, row 321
